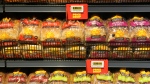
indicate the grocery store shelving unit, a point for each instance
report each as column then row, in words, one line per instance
column 112, row 64
column 62, row 9
column 92, row 8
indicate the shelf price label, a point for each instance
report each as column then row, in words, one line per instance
column 76, row 11
column 96, row 66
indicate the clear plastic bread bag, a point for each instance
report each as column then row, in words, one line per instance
column 95, row 30
column 73, row 31
column 118, row 30
column 16, row 78
column 38, row 77
column 140, row 31
column 142, row 77
column 51, row 31
column 106, row 78
column 81, row 78
column 30, row 29
column 124, row 77
column 9, row 30
column 59, row 77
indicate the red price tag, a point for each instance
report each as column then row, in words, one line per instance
column 96, row 66
column 76, row 11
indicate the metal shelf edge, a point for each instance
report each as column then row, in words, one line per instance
column 2, row 63
column 112, row 64
column 62, row 8
column 1, row 8
column 45, row 63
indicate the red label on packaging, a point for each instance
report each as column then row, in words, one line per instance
column 139, row 23
column 19, row 79
column 97, row 38
column 118, row 24
column 41, row 79
column 96, row 66
column 76, row 11
column 50, row 24
column 30, row 22
column 7, row 25
column 28, row 38
column 70, row 24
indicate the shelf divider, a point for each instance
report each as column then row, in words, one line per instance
column 112, row 64
column 62, row 8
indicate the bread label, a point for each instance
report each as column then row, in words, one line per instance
column 30, row 22
column 141, row 38
column 41, row 79
column 51, row 24
column 119, row 38
column 20, row 79
column 118, row 24
column 139, row 23
column 94, row 23
column 73, row 39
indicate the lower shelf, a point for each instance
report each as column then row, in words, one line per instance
column 112, row 64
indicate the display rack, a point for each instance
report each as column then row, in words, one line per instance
column 62, row 9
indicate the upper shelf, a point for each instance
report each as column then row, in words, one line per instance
column 1, row 8
column 92, row 8
column 112, row 64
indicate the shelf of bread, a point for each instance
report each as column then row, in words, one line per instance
column 53, row 39
column 63, row 77
column 91, row 8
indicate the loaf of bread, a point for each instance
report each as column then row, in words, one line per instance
column 16, row 78
column 39, row 77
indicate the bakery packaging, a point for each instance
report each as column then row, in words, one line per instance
column 142, row 77
column 30, row 30
column 39, row 77
column 122, row 52
column 78, row 52
column 99, row 51
column 16, row 78
column 118, row 31
column 81, row 78
column 54, row 53
column 2, row 78
column 95, row 30
column 124, row 77
column 59, row 77
column 139, row 29
column 72, row 31
column 9, row 30
column 106, row 78
column 51, row 32
column 31, row 51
